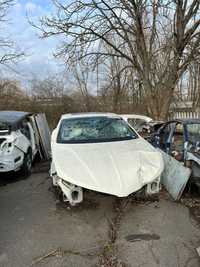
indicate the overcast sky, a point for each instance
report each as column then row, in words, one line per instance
column 40, row 60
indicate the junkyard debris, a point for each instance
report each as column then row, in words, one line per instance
column 23, row 136
column 194, row 207
column 59, row 252
column 175, row 176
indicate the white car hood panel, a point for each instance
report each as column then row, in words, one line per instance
column 118, row 168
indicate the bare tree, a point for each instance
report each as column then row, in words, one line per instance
column 193, row 85
column 51, row 96
column 82, row 73
column 158, row 38
column 117, row 86
column 8, row 51
column 12, row 95
column 51, row 87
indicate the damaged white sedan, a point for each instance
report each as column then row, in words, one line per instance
column 101, row 152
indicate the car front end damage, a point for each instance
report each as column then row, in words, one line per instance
column 70, row 193
column 73, row 194
column 126, row 176
column 11, row 157
column 12, row 162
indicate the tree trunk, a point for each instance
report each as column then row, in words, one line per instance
column 158, row 105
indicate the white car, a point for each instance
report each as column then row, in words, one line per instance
column 20, row 140
column 137, row 121
column 101, row 152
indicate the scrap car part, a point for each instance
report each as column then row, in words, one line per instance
column 71, row 193
column 154, row 187
column 175, row 176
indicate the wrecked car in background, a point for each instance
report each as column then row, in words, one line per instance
column 138, row 122
column 144, row 125
column 22, row 136
column 181, row 139
column 101, row 152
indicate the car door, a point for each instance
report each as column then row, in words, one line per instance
column 162, row 138
column 177, row 142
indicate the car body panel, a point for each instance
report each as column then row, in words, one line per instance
column 175, row 176
column 136, row 116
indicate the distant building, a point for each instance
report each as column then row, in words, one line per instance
column 184, row 108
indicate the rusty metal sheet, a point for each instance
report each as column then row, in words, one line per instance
column 175, row 176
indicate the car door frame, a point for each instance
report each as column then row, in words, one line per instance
column 169, row 137
column 184, row 135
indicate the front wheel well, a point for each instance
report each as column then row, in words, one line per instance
column 29, row 150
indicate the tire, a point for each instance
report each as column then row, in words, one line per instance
column 27, row 164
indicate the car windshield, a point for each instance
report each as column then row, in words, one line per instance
column 94, row 129
column 193, row 132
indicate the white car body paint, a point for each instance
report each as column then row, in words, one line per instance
column 136, row 121
column 7, row 158
column 12, row 158
column 126, row 117
column 118, row 168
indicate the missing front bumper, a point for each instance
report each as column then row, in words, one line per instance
column 154, row 187
column 71, row 193
column 74, row 194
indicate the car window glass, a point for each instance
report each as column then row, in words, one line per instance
column 94, row 129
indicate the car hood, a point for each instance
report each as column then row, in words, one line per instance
column 118, row 168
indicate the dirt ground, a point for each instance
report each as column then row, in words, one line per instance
column 37, row 230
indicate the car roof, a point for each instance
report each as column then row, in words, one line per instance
column 12, row 117
column 88, row 114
